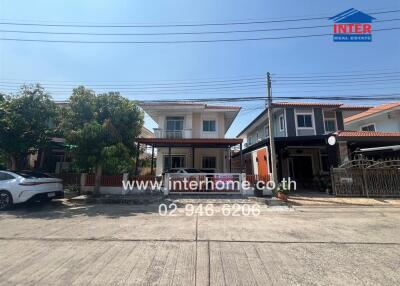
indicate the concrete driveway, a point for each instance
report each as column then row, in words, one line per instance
column 62, row 244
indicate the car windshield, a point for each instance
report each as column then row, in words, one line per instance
column 32, row 175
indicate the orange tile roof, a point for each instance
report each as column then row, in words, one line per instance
column 350, row 133
column 307, row 104
column 355, row 107
column 372, row 111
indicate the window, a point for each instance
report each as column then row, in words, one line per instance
column 281, row 123
column 266, row 131
column 329, row 121
column 175, row 123
column 209, row 162
column 174, row 127
column 304, row 121
column 370, row 127
column 330, row 125
column 5, row 176
column 209, row 125
column 178, row 161
column 257, row 137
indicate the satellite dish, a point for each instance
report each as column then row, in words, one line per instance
column 332, row 140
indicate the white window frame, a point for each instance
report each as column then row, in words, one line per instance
column 202, row 125
column 369, row 124
column 304, row 128
column 281, row 121
column 209, row 134
column 335, row 119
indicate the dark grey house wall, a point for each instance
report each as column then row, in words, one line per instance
column 290, row 122
column 319, row 121
column 339, row 120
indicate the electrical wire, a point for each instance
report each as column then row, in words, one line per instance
column 177, row 33
column 178, row 25
column 181, row 41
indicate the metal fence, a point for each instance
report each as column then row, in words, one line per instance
column 366, row 181
column 203, row 182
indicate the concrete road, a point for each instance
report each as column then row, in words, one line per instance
column 64, row 244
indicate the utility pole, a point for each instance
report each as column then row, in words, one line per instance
column 271, row 130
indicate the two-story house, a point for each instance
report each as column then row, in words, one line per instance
column 381, row 118
column 191, row 135
column 302, row 131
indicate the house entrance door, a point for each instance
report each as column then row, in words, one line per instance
column 301, row 170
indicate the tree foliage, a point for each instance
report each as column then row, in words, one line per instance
column 25, row 122
column 101, row 130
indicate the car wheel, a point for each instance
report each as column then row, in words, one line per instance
column 6, row 200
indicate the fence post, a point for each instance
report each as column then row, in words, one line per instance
column 242, row 178
column 333, row 182
column 83, row 181
column 124, row 180
column 166, row 184
column 364, row 178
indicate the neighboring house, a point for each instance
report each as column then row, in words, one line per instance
column 191, row 135
column 381, row 118
column 301, row 131
column 56, row 158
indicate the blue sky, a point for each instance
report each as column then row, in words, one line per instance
column 110, row 63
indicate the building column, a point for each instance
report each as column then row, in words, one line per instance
column 333, row 155
column 169, row 158
column 193, row 150
column 152, row 160
column 230, row 160
column 241, row 158
column 137, row 158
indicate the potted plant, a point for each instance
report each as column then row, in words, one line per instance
column 282, row 192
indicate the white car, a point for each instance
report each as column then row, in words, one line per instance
column 21, row 186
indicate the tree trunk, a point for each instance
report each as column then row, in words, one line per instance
column 13, row 160
column 97, row 181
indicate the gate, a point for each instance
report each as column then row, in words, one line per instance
column 367, row 178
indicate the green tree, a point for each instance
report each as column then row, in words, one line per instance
column 25, row 122
column 102, row 129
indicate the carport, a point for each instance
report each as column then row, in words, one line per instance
column 192, row 144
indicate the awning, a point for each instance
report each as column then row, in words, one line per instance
column 394, row 148
column 192, row 142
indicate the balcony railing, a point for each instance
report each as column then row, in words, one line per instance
column 173, row 134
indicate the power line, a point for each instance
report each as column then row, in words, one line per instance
column 178, row 41
column 175, row 33
column 342, row 80
column 345, row 75
column 179, row 25
column 391, row 96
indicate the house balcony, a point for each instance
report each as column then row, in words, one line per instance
column 173, row 134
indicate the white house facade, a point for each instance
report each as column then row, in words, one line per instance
column 191, row 135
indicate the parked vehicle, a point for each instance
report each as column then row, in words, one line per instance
column 21, row 186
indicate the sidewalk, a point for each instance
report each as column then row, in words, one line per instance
column 322, row 199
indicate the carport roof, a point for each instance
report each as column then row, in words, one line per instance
column 192, row 142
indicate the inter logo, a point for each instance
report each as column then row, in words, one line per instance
column 352, row 26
